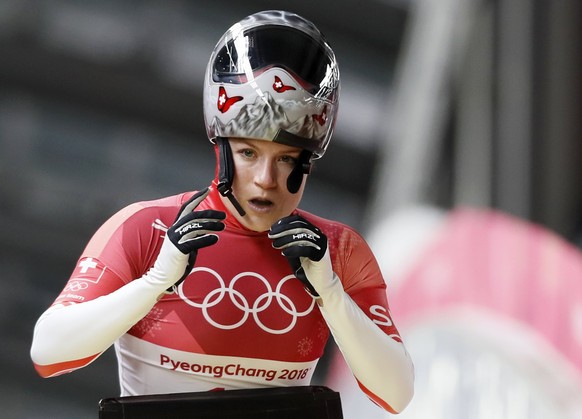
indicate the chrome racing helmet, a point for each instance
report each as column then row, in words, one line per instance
column 273, row 76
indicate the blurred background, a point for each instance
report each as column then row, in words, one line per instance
column 457, row 153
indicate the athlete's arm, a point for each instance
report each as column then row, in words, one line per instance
column 379, row 361
column 68, row 337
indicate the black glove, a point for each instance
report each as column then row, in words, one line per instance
column 192, row 229
column 297, row 238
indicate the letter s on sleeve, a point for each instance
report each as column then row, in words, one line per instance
column 381, row 316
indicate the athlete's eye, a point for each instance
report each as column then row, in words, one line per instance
column 247, row 152
column 288, row 159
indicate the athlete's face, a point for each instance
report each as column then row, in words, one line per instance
column 260, row 182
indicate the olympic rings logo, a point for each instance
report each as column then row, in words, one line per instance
column 76, row 286
column 239, row 300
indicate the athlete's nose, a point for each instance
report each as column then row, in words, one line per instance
column 266, row 174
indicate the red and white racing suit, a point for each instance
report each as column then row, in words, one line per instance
column 239, row 320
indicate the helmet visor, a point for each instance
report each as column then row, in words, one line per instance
column 244, row 55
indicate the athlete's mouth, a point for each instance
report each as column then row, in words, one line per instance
column 261, row 204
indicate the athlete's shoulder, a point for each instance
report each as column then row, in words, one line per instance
column 351, row 256
column 135, row 223
column 340, row 235
column 327, row 225
column 163, row 205
column 143, row 213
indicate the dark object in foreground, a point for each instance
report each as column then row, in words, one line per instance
column 306, row 402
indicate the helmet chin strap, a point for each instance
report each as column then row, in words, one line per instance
column 226, row 172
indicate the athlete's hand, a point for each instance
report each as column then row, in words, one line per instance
column 191, row 231
column 306, row 249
